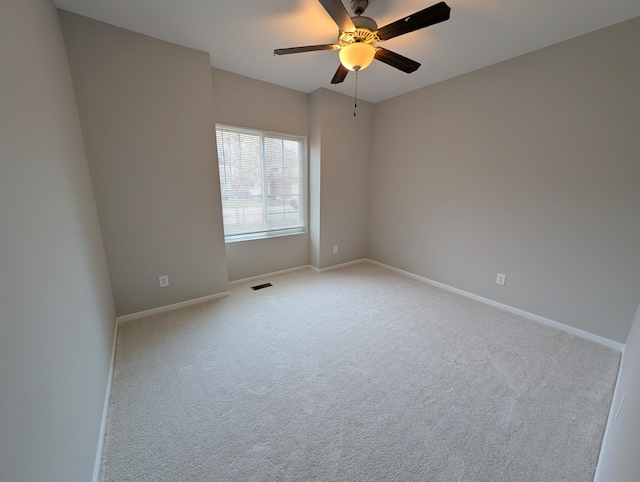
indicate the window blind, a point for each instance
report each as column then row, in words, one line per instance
column 262, row 182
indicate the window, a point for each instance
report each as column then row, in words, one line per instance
column 262, row 183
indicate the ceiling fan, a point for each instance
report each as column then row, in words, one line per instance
column 358, row 35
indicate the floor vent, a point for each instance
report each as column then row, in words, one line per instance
column 259, row 287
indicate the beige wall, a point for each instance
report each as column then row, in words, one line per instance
column 340, row 155
column 251, row 103
column 146, row 108
column 530, row 168
column 56, row 308
column 339, row 146
column 245, row 102
column 315, row 148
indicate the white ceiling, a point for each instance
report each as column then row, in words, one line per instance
column 241, row 35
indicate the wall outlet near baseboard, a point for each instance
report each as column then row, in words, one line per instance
column 501, row 278
column 335, row 249
column 164, row 281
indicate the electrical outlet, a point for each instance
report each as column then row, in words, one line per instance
column 501, row 278
column 164, row 281
column 335, row 249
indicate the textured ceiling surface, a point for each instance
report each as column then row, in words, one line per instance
column 240, row 35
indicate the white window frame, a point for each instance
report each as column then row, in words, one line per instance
column 303, row 184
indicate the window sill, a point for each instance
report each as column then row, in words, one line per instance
column 237, row 238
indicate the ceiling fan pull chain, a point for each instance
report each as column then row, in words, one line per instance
column 355, row 97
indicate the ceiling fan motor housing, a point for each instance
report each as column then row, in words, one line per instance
column 365, row 22
column 365, row 32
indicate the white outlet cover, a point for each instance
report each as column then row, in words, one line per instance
column 501, row 278
column 164, row 281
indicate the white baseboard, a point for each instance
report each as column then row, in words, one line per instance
column 341, row 265
column 266, row 275
column 531, row 316
column 105, row 408
column 175, row 306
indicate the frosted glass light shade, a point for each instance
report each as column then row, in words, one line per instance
column 357, row 56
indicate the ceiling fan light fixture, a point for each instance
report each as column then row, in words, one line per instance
column 357, row 56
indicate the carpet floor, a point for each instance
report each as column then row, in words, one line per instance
column 357, row 374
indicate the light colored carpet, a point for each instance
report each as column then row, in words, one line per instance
column 358, row 374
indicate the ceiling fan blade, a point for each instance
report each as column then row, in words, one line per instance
column 424, row 18
column 340, row 74
column 396, row 60
column 308, row 48
column 339, row 14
